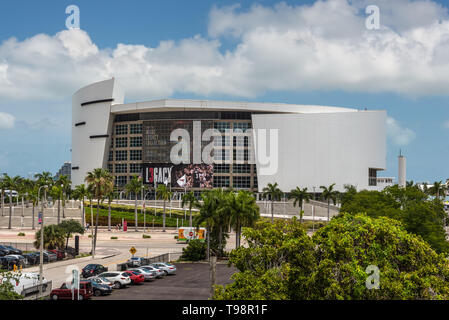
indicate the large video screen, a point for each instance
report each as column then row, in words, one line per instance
column 180, row 176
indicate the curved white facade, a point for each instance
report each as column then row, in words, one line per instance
column 317, row 145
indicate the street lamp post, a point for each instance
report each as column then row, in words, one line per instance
column 41, row 261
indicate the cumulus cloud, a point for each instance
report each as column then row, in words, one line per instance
column 6, row 121
column 397, row 134
column 322, row 46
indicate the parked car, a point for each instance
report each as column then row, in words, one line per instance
column 85, row 292
column 5, row 249
column 49, row 256
column 168, row 268
column 119, row 278
column 59, row 254
column 92, row 270
column 134, row 262
column 102, row 280
column 98, row 288
column 147, row 274
column 32, row 258
column 3, row 253
column 135, row 277
column 22, row 260
column 28, row 283
column 13, row 250
column 8, row 262
column 159, row 272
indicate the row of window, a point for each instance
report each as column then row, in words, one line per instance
column 237, row 182
column 236, row 168
column 225, row 126
column 122, row 129
column 122, row 142
column 123, row 168
column 122, row 155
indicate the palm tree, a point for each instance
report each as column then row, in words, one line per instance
column 101, row 183
column 299, row 196
column 11, row 183
column 272, row 192
column 54, row 237
column 44, row 178
column 33, row 196
column 190, row 200
column 2, row 187
column 329, row 194
column 65, row 183
column 164, row 193
column 134, row 186
column 207, row 214
column 79, row 193
column 242, row 210
column 438, row 188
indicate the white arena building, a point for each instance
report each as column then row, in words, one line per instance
column 260, row 143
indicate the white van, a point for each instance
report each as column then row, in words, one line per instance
column 28, row 283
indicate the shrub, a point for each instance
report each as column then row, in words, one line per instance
column 195, row 251
column 146, row 236
column 21, row 234
column 114, row 238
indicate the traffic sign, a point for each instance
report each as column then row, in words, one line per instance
column 132, row 250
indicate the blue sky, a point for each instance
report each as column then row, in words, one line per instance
column 225, row 48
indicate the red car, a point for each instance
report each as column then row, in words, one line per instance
column 59, row 254
column 65, row 293
column 135, row 277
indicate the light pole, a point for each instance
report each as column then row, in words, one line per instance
column 143, row 206
column 41, row 261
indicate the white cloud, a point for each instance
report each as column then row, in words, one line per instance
column 6, row 121
column 323, row 46
column 397, row 134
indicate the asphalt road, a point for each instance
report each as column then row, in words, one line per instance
column 191, row 282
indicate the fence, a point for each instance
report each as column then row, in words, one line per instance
column 21, row 246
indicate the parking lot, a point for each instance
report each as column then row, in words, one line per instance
column 191, row 282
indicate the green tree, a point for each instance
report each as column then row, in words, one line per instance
column 190, row 200
column 2, row 189
column 134, row 186
column 329, row 194
column 69, row 227
column 195, row 251
column 164, row 193
column 54, row 238
column 272, row 192
column 110, row 196
column 299, row 196
column 64, row 182
column 438, row 189
column 282, row 262
column 101, row 182
column 79, row 193
column 11, row 183
column 207, row 214
column 6, row 288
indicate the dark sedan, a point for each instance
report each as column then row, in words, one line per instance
column 93, row 269
column 13, row 250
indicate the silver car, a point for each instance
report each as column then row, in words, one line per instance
column 147, row 274
column 159, row 273
column 166, row 267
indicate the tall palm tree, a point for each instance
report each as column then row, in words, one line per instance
column 134, row 186
column 33, row 197
column 2, row 187
column 101, row 183
column 299, row 196
column 79, row 193
column 11, row 183
column 163, row 193
column 44, row 178
column 190, row 200
column 329, row 194
column 242, row 210
column 65, row 183
column 273, row 193
column 207, row 214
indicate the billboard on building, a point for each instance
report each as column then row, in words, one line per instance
column 180, row 176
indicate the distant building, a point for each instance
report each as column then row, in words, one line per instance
column 383, row 182
column 66, row 170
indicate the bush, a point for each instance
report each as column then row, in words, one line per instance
column 21, row 234
column 146, row 236
column 195, row 251
column 114, row 238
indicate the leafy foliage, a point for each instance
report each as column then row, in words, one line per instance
column 54, row 237
column 195, row 251
column 282, row 262
column 6, row 288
